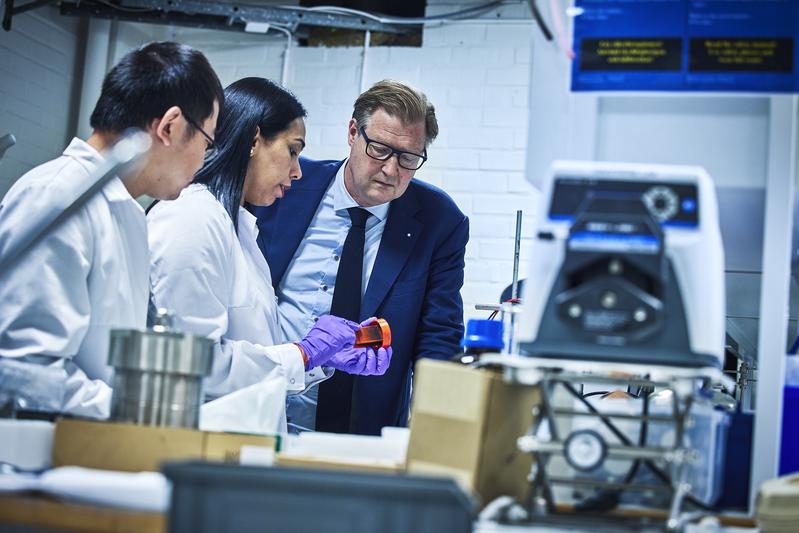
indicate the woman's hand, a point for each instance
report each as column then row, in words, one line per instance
column 330, row 335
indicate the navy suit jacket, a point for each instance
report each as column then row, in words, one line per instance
column 415, row 282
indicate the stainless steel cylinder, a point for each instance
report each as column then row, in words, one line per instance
column 158, row 376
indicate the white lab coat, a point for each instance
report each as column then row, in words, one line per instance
column 87, row 277
column 218, row 285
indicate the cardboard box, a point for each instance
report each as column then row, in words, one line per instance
column 135, row 448
column 465, row 423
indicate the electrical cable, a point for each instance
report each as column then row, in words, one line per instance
column 560, row 30
column 609, row 499
column 333, row 10
column 410, row 20
column 539, row 19
column 282, row 29
column 495, row 312
column 285, row 67
column 443, row 18
column 475, row 10
column 642, row 436
column 663, row 476
column 123, row 8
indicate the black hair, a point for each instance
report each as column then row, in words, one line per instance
column 150, row 80
column 249, row 103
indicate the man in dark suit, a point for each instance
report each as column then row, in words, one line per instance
column 360, row 238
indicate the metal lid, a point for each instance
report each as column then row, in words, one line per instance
column 385, row 330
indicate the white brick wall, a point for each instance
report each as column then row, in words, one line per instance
column 38, row 104
column 235, row 55
column 477, row 76
column 483, row 120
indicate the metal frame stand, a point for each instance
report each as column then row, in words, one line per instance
column 551, row 375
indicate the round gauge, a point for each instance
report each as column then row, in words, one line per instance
column 585, row 450
column 662, row 202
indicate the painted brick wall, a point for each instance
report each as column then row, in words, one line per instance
column 477, row 76
column 235, row 55
column 39, row 61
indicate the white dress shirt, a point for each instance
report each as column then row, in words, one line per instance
column 87, row 277
column 217, row 284
column 306, row 291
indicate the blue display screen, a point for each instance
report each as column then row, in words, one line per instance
column 686, row 45
column 614, row 242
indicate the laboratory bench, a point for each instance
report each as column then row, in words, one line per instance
column 23, row 512
column 46, row 514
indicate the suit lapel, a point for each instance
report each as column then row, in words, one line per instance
column 399, row 236
column 294, row 215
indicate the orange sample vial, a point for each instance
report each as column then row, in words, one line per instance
column 375, row 335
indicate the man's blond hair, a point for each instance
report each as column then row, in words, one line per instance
column 399, row 100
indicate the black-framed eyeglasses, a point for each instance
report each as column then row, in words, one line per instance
column 211, row 148
column 383, row 152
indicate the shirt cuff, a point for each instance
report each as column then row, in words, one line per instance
column 317, row 375
column 291, row 359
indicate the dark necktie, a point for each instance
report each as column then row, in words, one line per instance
column 335, row 394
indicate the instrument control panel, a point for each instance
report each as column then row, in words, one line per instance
column 672, row 204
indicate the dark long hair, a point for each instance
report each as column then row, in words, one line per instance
column 249, row 103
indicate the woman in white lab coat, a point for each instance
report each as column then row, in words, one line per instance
column 206, row 266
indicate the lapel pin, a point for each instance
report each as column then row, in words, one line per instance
column 409, row 235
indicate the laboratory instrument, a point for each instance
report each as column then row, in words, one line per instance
column 159, row 374
column 629, row 267
column 626, row 294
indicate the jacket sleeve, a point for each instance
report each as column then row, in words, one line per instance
column 441, row 322
column 190, row 275
column 46, row 306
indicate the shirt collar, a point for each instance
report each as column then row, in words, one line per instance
column 84, row 154
column 247, row 221
column 342, row 199
column 91, row 159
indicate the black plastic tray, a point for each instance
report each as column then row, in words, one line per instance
column 208, row 497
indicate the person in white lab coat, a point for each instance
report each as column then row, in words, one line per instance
column 206, row 265
column 90, row 275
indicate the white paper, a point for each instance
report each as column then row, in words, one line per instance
column 257, row 455
column 258, row 409
column 391, row 446
column 143, row 491
column 26, row 444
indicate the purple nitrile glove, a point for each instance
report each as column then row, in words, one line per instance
column 330, row 335
column 362, row 361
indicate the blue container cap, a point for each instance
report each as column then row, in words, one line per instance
column 483, row 334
